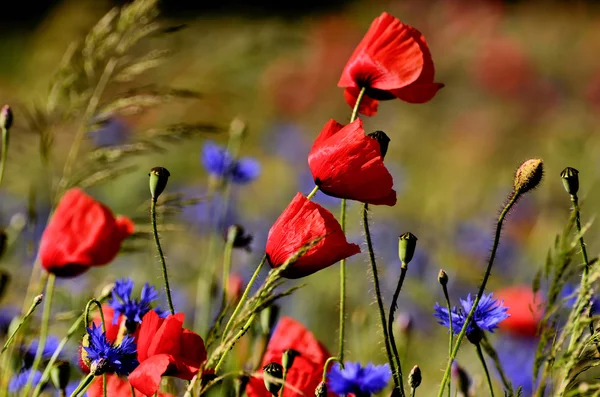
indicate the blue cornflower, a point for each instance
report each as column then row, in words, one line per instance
column 19, row 381
column 219, row 162
column 104, row 357
column 132, row 309
column 110, row 131
column 359, row 380
column 488, row 314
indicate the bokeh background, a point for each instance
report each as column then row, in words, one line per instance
column 522, row 80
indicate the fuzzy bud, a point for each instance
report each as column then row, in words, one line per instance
column 60, row 374
column 443, row 278
column 528, row 175
column 273, row 373
column 159, row 177
column 6, row 117
column 406, row 247
column 321, row 390
column 414, row 377
column 383, row 140
column 287, row 360
column 570, row 180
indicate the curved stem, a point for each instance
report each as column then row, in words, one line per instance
column 485, row 368
column 326, row 366
column 486, row 276
column 32, row 308
column 82, row 385
column 161, row 255
column 43, row 332
column 312, row 193
column 397, row 374
column 391, row 315
column 450, row 342
column 87, row 313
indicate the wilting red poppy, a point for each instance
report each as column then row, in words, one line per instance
column 82, row 233
column 115, row 387
column 165, row 348
column 525, row 309
column 391, row 61
column 348, row 164
column 307, row 368
column 300, row 223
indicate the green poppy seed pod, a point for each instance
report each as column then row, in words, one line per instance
column 443, row 278
column 406, row 247
column 528, row 175
column 383, row 140
column 6, row 117
column 414, row 377
column 570, row 180
column 60, row 374
column 159, row 177
column 272, row 375
column 268, row 318
column 287, row 359
column 321, row 390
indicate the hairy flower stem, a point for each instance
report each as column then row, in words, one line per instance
column 491, row 352
column 161, row 255
column 397, row 374
column 43, row 332
column 513, row 199
column 451, row 340
column 32, row 308
column 83, row 385
column 4, row 153
column 485, row 369
column 393, row 306
column 342, row 319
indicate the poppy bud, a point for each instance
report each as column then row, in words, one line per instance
column 321, row 390
column 4, row 280
column 60, row 374
column 414, row 377
column 443, row 278
column 570, row 180
column 406, row 247
column 273, row 373
column 268, row 318
column 159, row 177
column 6, row 117
column 528, row 175
column 287, row 360
column 383, row 140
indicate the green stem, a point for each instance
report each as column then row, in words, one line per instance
column 491, row 352
column 235, row 339
column 4, row 153
column 393, row 306
column 463, row 331
column 82, row 385
column 87, row 313
column 449, row 306
column 43, row 332
column 161, row 255
column 326, row 366
column 361, row 94
column 285, row 371
column 485, row 368
column 132, row 390
column 312, row 193
column 237, row 309
column 104, row 385
column 342, row 287
column 34, row 305
column 397, row 374
column 412, row 392
column 231, row 234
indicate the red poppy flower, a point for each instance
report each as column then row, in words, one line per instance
column 348, row 164
column 82, row 233
column 525, row 309
column 165, row 348
column 391, row 61
column 305, row 374
column 115, row 387
column 300, row 223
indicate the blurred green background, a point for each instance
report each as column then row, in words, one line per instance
column 522, row 80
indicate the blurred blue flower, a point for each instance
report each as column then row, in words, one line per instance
column 110, row 131
column 19, row 381
column 474, row 240
column 286, row 139
column 517, row 356
column 359, row 380
column 132, row 309
column 487, row 315
column 50, row 347
column 219, row 162
column 107, row 358
column 210, row 215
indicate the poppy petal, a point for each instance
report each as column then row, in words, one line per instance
column 146, row 377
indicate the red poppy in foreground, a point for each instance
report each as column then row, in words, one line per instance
column 391, row 61
column 307, row 368
column 300, row 223
column 525, row 309
column 115, row 387
column 165, row 348
column 348, row 164
column 82, row 233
